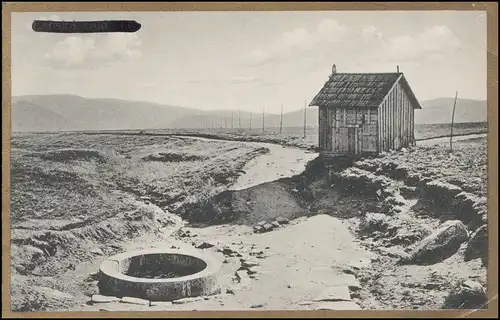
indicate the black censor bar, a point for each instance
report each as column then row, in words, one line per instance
column 85, row 26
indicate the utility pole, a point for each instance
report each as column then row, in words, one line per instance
column 452, row 120
column 250, row 126
column 225, row 121
column 305, row 117
column 239, row 119
column 281, row 119
column 232, row 120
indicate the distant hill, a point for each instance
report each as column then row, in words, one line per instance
column 27, row 116
column 440, row 111
column 78, row 113
column 71, row 112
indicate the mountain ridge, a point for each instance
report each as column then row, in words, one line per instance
column 44, row 112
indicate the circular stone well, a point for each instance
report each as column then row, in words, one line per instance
column 160, row 275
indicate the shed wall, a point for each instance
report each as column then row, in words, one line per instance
column 395, row 118
column 348, row 130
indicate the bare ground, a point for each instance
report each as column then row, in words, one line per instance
column 70, row 205
column 327, row 233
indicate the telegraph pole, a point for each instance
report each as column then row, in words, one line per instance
column 232, row 121
column 250, row 121
column 305, row 117
column 452, row 120
column 281, row 119
column 239, row 119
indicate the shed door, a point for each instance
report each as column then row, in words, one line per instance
column 351, row 140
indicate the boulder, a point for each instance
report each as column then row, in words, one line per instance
column 467, row 295
column 97, row 298
column 477, row 247
column 395, row 252
column 257, row 229
column 282, row 220
column 202, row 245
column 133, row 300
column 275, row 224
column 226, row 250
column 439, row 245
column 268, row 227
column 442, row 192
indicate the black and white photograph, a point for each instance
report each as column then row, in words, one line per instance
column 249, row 161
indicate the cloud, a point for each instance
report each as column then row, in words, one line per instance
column 331, row 31
column 365, row 44
column 430, row 44
column 236, row 80
column 297, row 41
column 91, row 51
column 371, row 33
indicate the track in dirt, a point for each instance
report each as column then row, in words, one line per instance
column 408, row 215
column 295, row 193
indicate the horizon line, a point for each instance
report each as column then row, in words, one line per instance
column 195, row 108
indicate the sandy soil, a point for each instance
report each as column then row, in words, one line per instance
column 321, row 247
column 280, row 162
column 307, row 264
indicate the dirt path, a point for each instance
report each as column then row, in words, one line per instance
column 295, row 263
column 446, row 140
column 280, row 162
column 291, row 271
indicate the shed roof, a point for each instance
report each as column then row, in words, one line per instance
column 360, row 90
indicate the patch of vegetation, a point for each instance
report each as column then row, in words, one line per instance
column 67, row 202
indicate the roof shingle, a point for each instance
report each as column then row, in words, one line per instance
column 357, row 90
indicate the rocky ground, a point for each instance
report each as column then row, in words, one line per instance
column 77, row 197
column 392, row 232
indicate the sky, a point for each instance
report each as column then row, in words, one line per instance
column 249, row 60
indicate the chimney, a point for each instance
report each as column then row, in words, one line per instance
column 397, row 68
column 334, row 71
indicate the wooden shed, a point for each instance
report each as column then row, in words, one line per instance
column 365, row 113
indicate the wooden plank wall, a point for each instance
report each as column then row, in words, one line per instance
column 369, row 131
column 395, row 121
column 322, row 128
column 364, row 124
column 325, row 129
